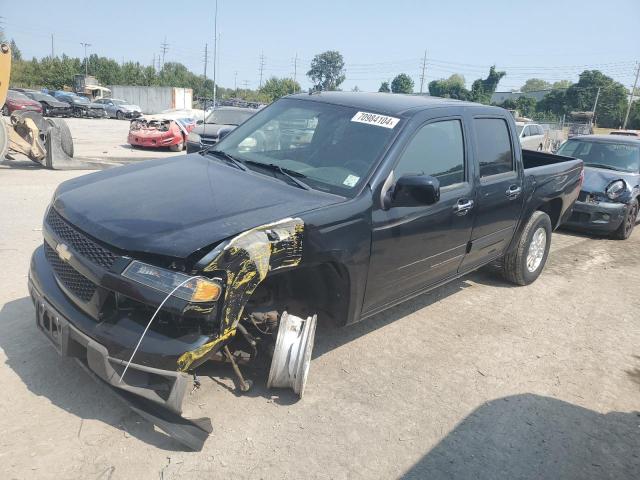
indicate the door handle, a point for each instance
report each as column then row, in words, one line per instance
column 463, row 206
column 514, row 191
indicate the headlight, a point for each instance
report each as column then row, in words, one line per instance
column 193, row 138
column 197, row 289
column 615, row 189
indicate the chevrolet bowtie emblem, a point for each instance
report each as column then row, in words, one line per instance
column 63, row 252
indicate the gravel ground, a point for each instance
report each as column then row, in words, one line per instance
column 476, row 380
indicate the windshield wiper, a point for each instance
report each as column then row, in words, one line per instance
column 290, row 174
column 602, row 165
column 225, row 156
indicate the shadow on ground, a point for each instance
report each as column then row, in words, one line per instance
column 534, row 437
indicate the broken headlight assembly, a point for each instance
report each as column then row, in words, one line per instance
column 187, row 287
column 615, row 189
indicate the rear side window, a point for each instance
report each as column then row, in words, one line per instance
column 437, row 150
column 494, row 146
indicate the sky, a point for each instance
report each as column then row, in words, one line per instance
column 552, row 40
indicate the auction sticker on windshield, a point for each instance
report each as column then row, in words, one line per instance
column 375, row 119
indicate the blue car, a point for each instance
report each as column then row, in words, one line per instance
column 608, row 202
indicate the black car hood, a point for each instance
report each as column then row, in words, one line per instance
column 57, row 103
column 177, row 206
column 596, row 180
column 210, row 129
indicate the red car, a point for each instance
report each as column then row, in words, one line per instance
column 19, row 101
column 160, row 132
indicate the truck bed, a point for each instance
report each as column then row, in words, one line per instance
column 533, row 159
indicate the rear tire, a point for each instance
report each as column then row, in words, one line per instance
column 628, row 223
column 525, row 263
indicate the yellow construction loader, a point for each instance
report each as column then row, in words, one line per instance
column 46, row 141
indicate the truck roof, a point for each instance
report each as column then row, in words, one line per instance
column 389, row 103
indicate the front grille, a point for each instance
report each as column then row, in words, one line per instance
column 80, row 242
column 74, row 281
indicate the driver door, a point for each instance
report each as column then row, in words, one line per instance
column 416, row 247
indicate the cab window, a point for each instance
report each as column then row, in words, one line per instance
column 495, row 155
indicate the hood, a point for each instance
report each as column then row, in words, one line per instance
column 58, row 103
column 131, row 108
column 210, row 129
column 95, row 105
column 177, row 206
column 597, row 179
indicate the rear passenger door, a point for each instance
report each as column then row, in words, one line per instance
column 499, row 190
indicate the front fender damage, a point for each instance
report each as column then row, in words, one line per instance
column 245, row 261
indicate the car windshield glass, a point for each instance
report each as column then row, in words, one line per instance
column 623, row 157
column 332, row 147
column 229, row 117
column 17, row 95
column 79, row 99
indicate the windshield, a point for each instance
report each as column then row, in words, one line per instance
column 78, row 99
column 332, row 148
column 16, row 95
column 614, row 156
column 229, row 117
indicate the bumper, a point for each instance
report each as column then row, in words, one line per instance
column 107, row 346
column 59, row 111
column 603, row 217
column 96, row 113
column 153, row 141
column 131, row 115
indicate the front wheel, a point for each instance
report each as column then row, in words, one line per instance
column 628, row 223
column 525, row 263
column 119, row 115
column 178, row 147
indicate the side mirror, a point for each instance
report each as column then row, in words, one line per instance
column 224, row 131
column 199, row 122
column 414, row 191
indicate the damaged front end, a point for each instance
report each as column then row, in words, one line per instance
column 92, row 307
column 155, row 132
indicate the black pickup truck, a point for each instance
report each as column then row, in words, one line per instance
column 341, row 204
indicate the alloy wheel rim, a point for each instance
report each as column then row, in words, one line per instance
column 537, row 249
column 631, row 219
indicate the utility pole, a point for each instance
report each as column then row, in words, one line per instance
column 164, row 46
column 235, row 82
column 295, row 68
column 86, row 61
column 215, row 52
column 261, row 68
column 595, row 104
column 424, row 67
column 206, row 60
column 153, row 62
column 633, row 91
column 52, row 54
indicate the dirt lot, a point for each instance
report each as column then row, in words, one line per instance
column 104, row 141
column 476, row 380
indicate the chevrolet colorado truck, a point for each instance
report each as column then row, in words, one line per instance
column 340, row 204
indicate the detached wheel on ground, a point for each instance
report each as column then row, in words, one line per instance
column 178, row 147
column 628, row 223
column 525, row 263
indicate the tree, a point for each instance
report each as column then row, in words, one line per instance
column 554, row 102
column 452, row 87
column 535, row 85
column 402, row 84
column 384, row 87
column 561, row 84
column 275, row 88
column 526, row 106
column 482, row 89
column 16, row 54
column 327, row 70
column 612, row 102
